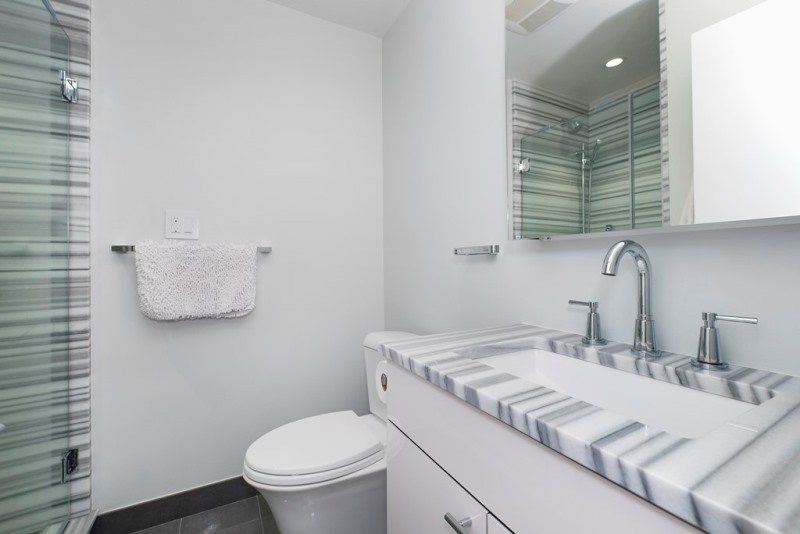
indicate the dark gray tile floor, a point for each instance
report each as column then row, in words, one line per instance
column 249, row 516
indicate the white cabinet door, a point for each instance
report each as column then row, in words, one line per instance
column 493, row 526
column 420, row 493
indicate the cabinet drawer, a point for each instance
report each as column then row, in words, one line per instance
column 420, row 493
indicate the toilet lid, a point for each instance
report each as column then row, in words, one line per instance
column 323, row 443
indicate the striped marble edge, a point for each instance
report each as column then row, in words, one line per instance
column 743, row 476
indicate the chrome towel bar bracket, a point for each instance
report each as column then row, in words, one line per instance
column 131, row 248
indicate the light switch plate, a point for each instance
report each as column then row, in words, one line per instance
column 181, row 224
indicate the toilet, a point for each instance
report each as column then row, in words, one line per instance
column 327, row 473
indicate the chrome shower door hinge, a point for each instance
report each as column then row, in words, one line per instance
column 69, row 87
column 69, row 464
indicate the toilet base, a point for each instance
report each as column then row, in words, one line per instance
column 353, row 504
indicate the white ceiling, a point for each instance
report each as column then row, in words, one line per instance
column 370, row 16
column 567, row 55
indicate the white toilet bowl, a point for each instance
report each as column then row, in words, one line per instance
column 327, row 473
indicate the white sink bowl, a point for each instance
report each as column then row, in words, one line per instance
column 675, row 409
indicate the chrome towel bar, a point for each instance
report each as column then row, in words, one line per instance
column 479, row 250
column 131, row 248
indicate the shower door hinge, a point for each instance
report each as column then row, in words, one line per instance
column 524, row 165
column 69, row 464
column 69, row 87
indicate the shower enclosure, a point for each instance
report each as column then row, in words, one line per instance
column 36, row 338
column 596, row 172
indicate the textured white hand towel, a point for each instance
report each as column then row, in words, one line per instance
column 181, row 281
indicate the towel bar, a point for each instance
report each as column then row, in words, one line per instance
column 489, row 250
column 131, row 248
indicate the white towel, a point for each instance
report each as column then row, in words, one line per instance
column 181, row 281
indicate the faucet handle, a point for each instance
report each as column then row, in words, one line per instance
column 708, row 357
column 592, row 336
column 592, row 305
column 710, row 318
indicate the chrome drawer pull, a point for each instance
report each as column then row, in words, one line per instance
column 461, row 527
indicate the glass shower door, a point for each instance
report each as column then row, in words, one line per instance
column 34, row 268
column 552, row 198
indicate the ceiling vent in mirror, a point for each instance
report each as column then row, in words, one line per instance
column 526, row 16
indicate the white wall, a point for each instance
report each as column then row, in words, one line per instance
column 682, row 19
column 268, row 122
column 744, row 119
column 444, row 186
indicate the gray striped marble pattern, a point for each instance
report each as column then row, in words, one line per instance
column 662, row 89
column 741, row 477
column 44, row 278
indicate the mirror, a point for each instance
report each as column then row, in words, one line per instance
column 641, row 114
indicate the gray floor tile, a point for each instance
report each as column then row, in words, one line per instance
column 173, row 527
column 214, row 521
column 267, row 521
column 252, row 527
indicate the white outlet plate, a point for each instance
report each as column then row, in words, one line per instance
column 181, row 224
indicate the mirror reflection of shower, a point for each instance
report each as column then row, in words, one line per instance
column 596, row 171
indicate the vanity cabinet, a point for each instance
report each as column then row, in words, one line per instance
column 420, row 493
column 448, row 456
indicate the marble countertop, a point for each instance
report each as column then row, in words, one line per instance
column 741, row 477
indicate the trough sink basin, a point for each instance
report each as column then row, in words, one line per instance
column 679, row 410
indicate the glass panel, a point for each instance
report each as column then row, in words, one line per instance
column 552, row 201
column 647, row 157
column 610, row 170
column 34, row 287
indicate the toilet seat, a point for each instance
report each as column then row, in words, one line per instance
column 315, row 449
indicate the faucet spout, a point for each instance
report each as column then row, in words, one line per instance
column 644, row 336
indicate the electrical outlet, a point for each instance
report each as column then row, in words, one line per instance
column 181, row 224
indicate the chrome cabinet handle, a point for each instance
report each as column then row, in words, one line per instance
column 460, row 526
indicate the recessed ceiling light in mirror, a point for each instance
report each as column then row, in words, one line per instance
column 614, row 62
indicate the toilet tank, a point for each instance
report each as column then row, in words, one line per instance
column 371, row 360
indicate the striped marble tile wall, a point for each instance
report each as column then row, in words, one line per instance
column 648, row 195
column 609, row 202
column 44, row 275
column 664, row 124
column 549, row 204
column 611, row 173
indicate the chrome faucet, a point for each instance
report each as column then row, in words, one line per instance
column 644, row 342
